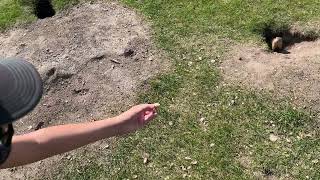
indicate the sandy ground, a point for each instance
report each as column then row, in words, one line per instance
column 295, row 75
column 93, row 58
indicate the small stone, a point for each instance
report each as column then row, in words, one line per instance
column 240, row 58
column 200, row 58
column 106, row 146
column 187, row 158
column 183, row 168
column 273, row 138
column 29, row 127
column 150, row 59
column 315, row 161
column 232, row 102
column 13, row 169
column 202, row 119
column 68, row 157
column 189, row 167
column 194, row 162
column 39, row 125
column 184, row 175
column 211, row 145
column 145, row 158
column 128, row 52
column 190, row 63
column 170, row 123
column 135, row 176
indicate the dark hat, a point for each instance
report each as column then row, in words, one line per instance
column 20, row 89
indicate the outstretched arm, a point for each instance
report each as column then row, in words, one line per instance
column 54, row 140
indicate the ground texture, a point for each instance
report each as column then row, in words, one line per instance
column 93, row 58
column 295, row 74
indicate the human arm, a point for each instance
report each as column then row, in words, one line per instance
column 55, row 140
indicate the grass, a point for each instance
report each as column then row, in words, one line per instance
column 21, row 11
column 225, row 129
column 206, row 130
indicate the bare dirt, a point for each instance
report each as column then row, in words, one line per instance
column 295, row 75
column 93, row 59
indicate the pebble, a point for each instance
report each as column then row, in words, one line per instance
column 194, row 162
column 146, row 158
column 135, row 176
column 183, row 168
column 128, row 52
column 39, row 125
column 273, row 138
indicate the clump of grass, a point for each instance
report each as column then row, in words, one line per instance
column 23, row 11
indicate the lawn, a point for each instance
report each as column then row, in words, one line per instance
column 206, row 130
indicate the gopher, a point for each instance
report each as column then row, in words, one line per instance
column 277, row 44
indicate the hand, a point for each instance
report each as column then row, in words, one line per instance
column 136, row 117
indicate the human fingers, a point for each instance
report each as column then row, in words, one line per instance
column 148, row 107
column 150, row 116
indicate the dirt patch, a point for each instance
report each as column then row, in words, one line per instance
column 289, row 36
column 93, row 59
column 296, row 75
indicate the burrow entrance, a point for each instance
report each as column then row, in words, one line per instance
column 289, row 37
column 43, row 9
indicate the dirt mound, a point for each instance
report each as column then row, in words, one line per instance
column 295, row 74
column 92, row 59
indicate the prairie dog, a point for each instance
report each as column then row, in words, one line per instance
column 277, row 44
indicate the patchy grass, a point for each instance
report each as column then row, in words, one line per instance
column 11, row 11
column 206, row 130
column 22, row 11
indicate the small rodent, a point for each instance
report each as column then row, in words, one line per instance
column 277, row 44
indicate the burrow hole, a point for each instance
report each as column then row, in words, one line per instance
column 289, row 37
column 43, row 9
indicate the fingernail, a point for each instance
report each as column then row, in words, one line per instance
column 156, row 104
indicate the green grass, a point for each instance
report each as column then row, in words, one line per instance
column 21, row 11
column 232, row 142
column 225, row 129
